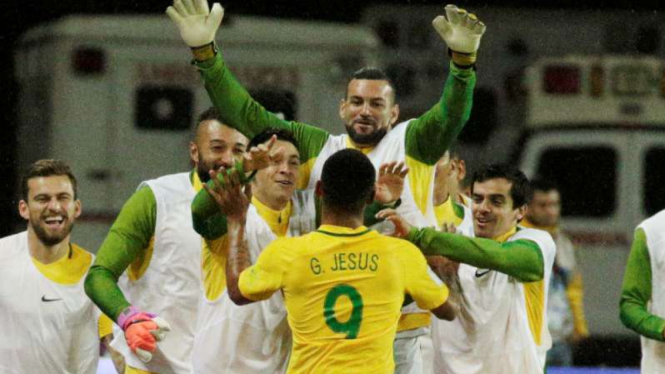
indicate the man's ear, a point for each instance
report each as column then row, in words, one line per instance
column 318, row 189
column 342, row 106
column 521, row 212
column 371, row 197
column 394, row 114
column 23, row 209
column 77, row 208
column 194, row 153
column 461, row 170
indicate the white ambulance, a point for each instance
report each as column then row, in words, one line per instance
column 596, row 126
column 116, row 96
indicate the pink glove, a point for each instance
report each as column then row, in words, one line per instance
column 142, row 331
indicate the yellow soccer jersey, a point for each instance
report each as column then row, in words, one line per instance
column 343, row 290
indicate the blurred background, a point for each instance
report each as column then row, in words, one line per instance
column 570, row 90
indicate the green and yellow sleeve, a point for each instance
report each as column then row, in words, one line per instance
column 240, row 111
column 521, row 259
column 636, row 292
column 126, row 242
column 429, row 136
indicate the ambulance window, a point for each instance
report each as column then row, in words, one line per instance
column 163, row 108
column 654, row 180
column 586, row 176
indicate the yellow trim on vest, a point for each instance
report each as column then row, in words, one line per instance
column 131, row 370
column 140, row 265
column 551, row 229
column 350, row 144
column 213, row 266
column 420, row 179
column 534, row 298
column 69, row 269
column 445, row 213
column 304, row 172
column 413, row 321
column 278, row 221
column 104, row 326
column 534, row 295
column 502, row 238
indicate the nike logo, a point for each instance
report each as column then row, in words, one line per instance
column 44, row 299
column 480, row 273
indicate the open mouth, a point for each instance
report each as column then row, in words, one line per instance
column 285, row 183
column 55, row 222
column 482, row 222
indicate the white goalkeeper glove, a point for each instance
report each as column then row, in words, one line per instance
column 461, row 32
column 196, row 22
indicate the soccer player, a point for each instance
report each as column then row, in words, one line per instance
column 48, row 324
column 504, row 276
column 642, row 301
column 343, row 285
column 153, row 242
column 256, row 338
column 565, row 306
column 369, row 112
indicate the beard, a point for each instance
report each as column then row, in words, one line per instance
column 203, row 169
column 371, row 139
column 48, row 238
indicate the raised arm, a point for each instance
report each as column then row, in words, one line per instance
column 198, row 26
column 429, row 136
column 636, row 292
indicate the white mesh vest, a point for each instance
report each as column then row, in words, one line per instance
column 171, row 285
column 653, row 352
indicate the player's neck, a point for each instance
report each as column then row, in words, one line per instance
column 46, row 254
column 440, row 196
column 330, row 217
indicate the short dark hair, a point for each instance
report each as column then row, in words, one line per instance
column 210, row 114
column 46, row 168
column 266, row 134
column 374, row 73
column 347, row 179
column 543, row 185
column 277, row 101
column 520, row 189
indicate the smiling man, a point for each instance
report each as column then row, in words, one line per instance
column 504, row 277
column 149, row 263
column 48, row 324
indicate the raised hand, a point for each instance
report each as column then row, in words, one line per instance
column 390, row 183
column 229, row 195
column 261, row 156
column 402, row 227
column 196, row 22
column 462, row 32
